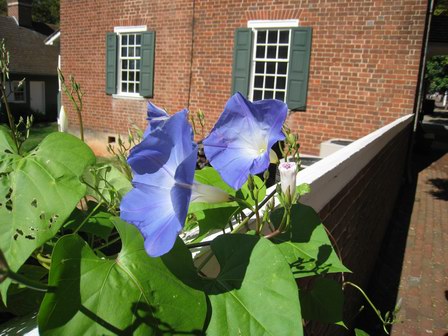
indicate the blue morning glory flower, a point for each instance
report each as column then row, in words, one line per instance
column 156, row 117
column 163, row 165
column 240, row 143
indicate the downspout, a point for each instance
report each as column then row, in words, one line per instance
column 191, row 54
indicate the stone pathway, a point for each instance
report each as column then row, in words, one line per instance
column 423, row 286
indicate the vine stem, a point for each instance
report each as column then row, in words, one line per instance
column 88, row 217
column 377, row 312
column 20, row 279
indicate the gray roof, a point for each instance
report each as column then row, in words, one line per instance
column 28, row 52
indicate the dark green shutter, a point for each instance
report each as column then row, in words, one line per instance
column 242, row 52
column 299, row 63
column 147, row 65
column 111, row 63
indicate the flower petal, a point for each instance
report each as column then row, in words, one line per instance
column 163, row 165
column 239, row 143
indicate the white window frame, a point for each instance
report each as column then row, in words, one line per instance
column 257, row 25
column 124, row 30
column 10, row 92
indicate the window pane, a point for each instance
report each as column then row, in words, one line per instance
column 124, row 64
column 273, row 35
column 280, row 96
column 272, row 52
column 259, row 67
column 258, row 95
column 137, row 64
column 138, row 39
column 137, row 51
column 284, row 36
column 131, row 87
column 131, row 39
column 281, row 82
column 281, row 68
column 137, row 76
column 260, row 51
column 131, row 52
column 124, row 52
column 261, row 36
column 124, row 87
column 137, row 87
column 124, row 75
column 131, row 76
column 268, row 94
column 131, row 64
column 283, row 52
column 270, row 69
column 269, row 83
column 124, row 39
column 258, row 82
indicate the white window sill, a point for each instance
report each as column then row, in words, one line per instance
column 122, row 96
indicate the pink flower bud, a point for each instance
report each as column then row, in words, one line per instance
column 288, row 173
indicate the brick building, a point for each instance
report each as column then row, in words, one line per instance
column 345, row 68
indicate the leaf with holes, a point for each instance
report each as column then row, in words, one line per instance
column 39, row 194
column 7, row 150
column 254, row 292
column 132, row 294
column 306, row 246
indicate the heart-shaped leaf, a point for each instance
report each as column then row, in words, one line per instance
column 324, row 302
column 255, row 292
column 306, row 246
column 132, row 294
column 38, row 194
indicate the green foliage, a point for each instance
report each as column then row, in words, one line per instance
column 324, row 302
column 306, row 245
column 244, row 293
column 441, row 7
column 359, row 332
column 46, row 11
column 90, row 291
column 38, row 191
column 437, row 74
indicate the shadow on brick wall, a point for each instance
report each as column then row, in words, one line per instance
column 384, row 284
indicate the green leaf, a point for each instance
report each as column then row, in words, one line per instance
column 39, row 194
column 132, row 294
column 210, row 176
column 359, row 332
column 213, row 219
column 324, row 302
column 110, row 183
column 22, row 300
column 254, row 293
column 303, row 189
column 99, row 223
column 244, row 192
column 7, row 149
column 306, row 246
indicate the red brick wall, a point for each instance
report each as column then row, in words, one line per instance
column 363, row 72
column 358, row 217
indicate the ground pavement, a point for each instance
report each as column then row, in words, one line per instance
column 423, row 286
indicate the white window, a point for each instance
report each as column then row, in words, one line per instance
column 129, row 60
column 270, row 59
column 129, row 63
column 15, row 91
